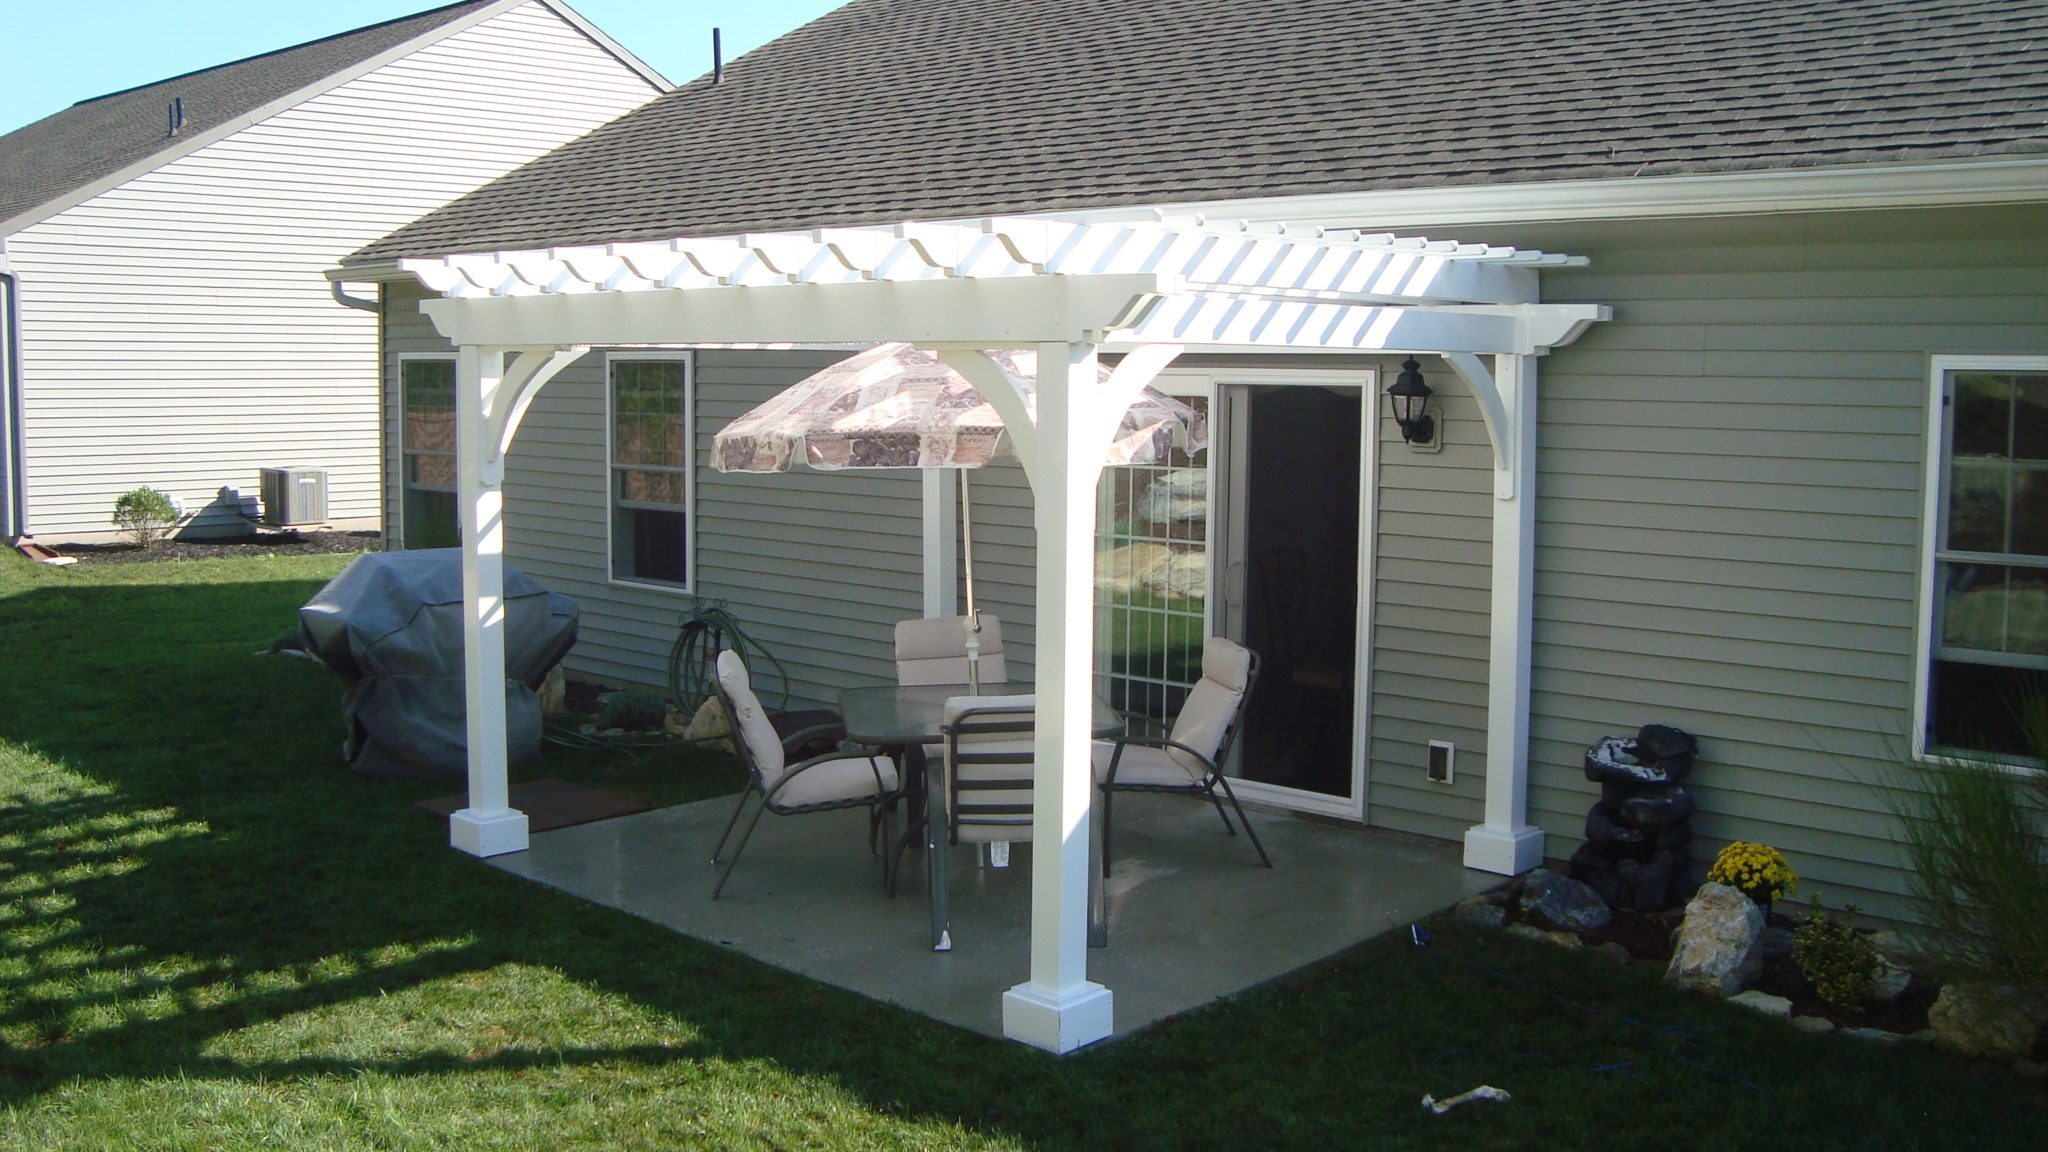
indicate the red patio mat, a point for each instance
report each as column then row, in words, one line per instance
column 549, row 804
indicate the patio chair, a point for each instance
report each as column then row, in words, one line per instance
column 1190, row 758
column 934, row 651
column 985, row 797
column 820, row 784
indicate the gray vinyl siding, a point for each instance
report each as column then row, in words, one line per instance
column 1728, row 518
column 1432, row 613
column 178, row 330
column 816, row 566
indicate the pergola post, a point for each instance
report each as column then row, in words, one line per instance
column 1058, row 1009
column 488, row 826
column 1506, row 843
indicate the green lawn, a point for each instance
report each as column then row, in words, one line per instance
column 214, row 936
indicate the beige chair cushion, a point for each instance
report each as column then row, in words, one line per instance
column 934, row 651
column 1008, row 828
column 848, row 778
column 1212, row 703
column 762, row 742
column 1150, row 766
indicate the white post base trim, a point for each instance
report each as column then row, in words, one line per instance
column 488, row 832
column 1503, row 851
column 1057, row 1022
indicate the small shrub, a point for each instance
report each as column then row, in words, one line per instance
column 1834, row 957
column 634, row 709
column 1976, row 833
column 1759, row 870
column 146, row 514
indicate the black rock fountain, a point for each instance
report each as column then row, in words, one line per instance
column 1636, row 836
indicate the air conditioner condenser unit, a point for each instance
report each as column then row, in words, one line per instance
column 294, row 496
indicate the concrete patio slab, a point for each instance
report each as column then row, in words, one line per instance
column 1192, row 915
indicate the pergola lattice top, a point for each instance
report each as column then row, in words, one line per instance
column 1282, row 261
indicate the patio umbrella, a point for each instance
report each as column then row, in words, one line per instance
column 894, row 406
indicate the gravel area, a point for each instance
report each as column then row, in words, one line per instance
column 265, row 544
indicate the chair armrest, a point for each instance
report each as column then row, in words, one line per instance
column 802, row 736
column 1123, row 742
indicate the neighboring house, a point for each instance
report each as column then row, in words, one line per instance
column 1789, row 498
column 161, row 248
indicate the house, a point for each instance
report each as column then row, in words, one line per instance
column 1756, row 456
column 165, row 322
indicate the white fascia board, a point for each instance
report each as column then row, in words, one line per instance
column 188, row 145
column 617, row 50
column 2001, row 181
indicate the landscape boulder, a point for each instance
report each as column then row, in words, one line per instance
column 1720, row 944
column 1983, row 1019
column 1563, row 902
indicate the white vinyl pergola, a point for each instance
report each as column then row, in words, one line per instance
column 1150, row 290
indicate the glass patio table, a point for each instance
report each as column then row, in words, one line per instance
column 903, row 718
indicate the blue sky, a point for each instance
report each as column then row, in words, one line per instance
column 62, row 51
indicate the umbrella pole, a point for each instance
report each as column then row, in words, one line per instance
column 973, row 618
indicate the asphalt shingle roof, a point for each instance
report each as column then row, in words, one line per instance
column 93, row 139
column 927, row 109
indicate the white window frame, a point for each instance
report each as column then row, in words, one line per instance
column 688, row 359
column 398, row 385
column 1933, row 511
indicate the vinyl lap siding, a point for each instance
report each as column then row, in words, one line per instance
column 177, row 329
column 1431, row 615
column 1729, row 502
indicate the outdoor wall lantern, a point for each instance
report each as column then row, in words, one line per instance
column 1410, row 397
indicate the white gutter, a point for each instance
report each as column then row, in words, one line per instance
column 13, row 444
column 2002, row 181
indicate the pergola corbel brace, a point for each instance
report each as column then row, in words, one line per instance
column 1493, row 410
column 529, row 371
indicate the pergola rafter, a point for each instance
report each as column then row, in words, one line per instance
column 1151, row 290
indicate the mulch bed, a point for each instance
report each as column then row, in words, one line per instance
column 1649, row 939
column 260, row 544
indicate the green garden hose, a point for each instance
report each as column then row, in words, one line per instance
column 708, row 628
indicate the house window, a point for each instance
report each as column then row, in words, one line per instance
column 427, row 514
column 651, row 485
column 1988, row 602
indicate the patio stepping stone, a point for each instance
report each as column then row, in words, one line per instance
column 1757, row 1000
column 1874, row 1035
column 1815, row 1025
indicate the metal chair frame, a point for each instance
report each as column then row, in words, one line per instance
column 1205, row 787
column 883, row 803
column 976, row 722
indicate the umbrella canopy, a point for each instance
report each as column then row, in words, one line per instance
column 894, row 406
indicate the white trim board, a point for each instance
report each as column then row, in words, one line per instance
column 2001, row 181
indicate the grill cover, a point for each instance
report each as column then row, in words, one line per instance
column 391, row 625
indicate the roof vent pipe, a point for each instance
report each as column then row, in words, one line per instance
column 177, row 115
column 717, row 60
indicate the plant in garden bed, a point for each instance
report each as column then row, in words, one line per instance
column 1759, row 870
column 1835, row 958
column 146, row 514
column 1976, row 832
